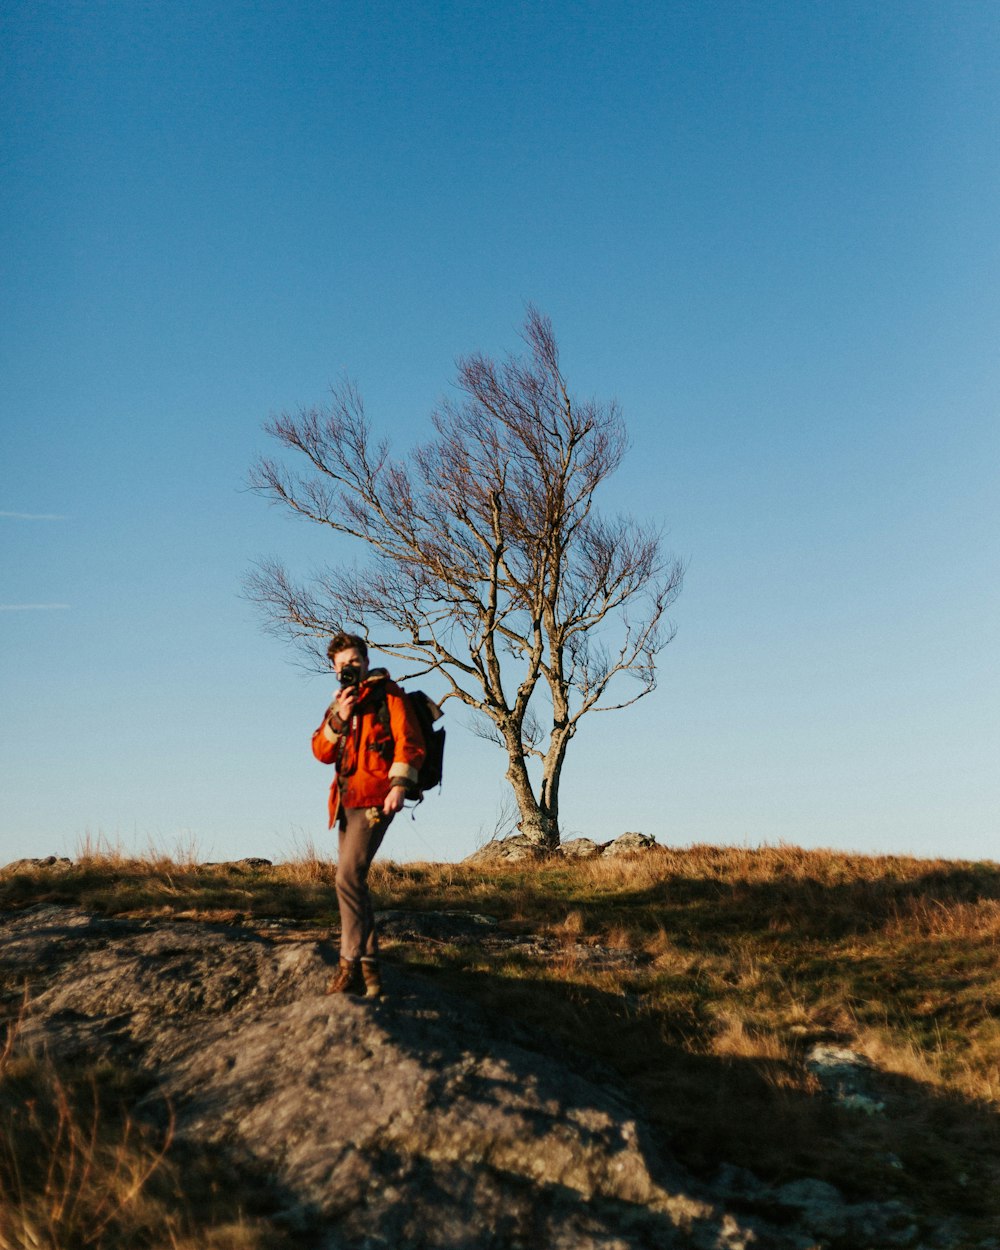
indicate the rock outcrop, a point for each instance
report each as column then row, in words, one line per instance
column 414, row 1122
column 58, row 862
column 407, row 1122
column 516, row 849
column 519, row 849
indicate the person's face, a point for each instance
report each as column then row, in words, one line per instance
column 351, row 655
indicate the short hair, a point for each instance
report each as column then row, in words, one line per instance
column 344, row 642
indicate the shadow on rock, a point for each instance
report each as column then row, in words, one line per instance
column 401, row 1122
column 417, row 1120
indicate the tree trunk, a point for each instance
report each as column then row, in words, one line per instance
column 551, row 774
column 539, row 822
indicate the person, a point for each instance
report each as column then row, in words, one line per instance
column 370, row 734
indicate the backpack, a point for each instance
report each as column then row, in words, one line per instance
column 425, row 712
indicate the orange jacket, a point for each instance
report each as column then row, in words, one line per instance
column 371, row 756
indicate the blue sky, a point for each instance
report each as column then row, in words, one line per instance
column 770, row 230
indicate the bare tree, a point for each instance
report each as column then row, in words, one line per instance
column 489, row 563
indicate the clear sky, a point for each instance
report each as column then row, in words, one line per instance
column 771, row 230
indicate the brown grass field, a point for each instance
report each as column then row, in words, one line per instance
column 734, row 962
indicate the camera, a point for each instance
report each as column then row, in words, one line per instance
column 350, row 675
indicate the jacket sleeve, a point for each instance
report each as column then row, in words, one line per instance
column 326, row 741
column 408, row 742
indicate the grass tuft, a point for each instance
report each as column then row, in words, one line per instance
column 78, row 1171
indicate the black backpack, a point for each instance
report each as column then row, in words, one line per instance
column 426, row 712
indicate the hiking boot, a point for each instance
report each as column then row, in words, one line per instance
column 347, row 979
column 372, row 977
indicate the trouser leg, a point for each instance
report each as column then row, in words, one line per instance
column 360, row 838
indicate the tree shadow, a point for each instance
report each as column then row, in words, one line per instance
column 930, row 1149
column 883, row 942
column 805, row 907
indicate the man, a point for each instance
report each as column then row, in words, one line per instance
column 371, row 735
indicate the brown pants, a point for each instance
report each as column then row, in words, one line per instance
column 360, row 838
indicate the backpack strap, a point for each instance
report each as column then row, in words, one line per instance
column 382, row 708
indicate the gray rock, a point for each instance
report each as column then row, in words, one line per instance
column 880, row 1224
column 630, row 844
column 250, row 863
column 821, row 1211
column 439, row 925
column 819, row 1206
column 519, row 849
column 580, row 848
column 847, row 1077
column 513, row 850
column 49, row 861
column 411, row 1121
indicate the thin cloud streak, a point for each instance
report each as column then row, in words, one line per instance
column 32, row 607
column 34, row 516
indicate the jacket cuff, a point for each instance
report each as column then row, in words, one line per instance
column 403, row 775
column 332, row 728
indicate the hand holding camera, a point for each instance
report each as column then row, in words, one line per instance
column 344, row 701
column 349, row 675
column 347, row 696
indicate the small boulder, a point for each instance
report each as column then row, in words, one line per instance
column 847, row 1077
column 631, row 844
column 252, row 863
column 512, row 850
column 580, row 848
column 442, row 926
column 817, row 1205
column 49, row 861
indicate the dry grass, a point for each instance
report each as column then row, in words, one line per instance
column 77, row 1170
column 744, row 960
column 733, row 963
column 108, row 881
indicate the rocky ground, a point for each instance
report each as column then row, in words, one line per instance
column 414, row 1121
